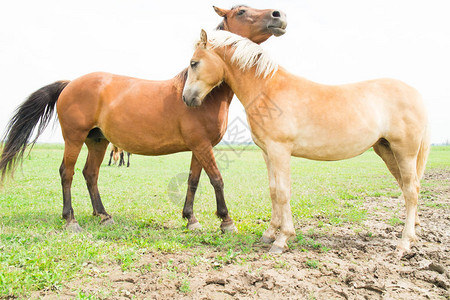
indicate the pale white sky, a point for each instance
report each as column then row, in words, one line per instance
column 327, row 41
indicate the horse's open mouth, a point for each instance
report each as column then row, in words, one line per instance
column 276, row 30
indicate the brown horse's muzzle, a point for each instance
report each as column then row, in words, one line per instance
column 277, row 23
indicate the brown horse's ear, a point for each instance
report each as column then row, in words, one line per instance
column 203, row 39
column 220, row 11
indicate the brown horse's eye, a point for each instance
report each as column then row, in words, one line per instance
column 241, row 12
column 194, row 64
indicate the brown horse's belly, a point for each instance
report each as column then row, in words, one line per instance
column 146, row 143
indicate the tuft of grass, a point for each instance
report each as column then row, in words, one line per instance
column 185, row 286
column 312, row 264
column 394, row 221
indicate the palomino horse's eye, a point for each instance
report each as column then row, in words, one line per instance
column 194, row 64
column 241, row 12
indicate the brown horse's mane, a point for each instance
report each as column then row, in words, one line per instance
column 182, row 76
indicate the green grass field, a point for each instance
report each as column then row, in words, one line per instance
column 37, row 253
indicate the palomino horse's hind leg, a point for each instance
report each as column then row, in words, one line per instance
column 96, row 153
column 278, row 164
column 384, row 151
column 66, row 171
column 188, row 209
column 410, row 188
column 205, row 156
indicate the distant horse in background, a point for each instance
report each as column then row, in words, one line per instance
column 140, row 116
column 292, row 116
column 117, row 155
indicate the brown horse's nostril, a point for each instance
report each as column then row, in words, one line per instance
column 276, row 14
column 184, row 99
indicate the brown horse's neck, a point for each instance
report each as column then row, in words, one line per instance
column 220, row 93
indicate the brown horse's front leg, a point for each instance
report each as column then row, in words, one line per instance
column 206, row 158
column 188, row 209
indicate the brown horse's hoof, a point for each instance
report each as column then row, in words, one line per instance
column 229, row 227
column 276, row 249
column 194, row 226
column 74, row 227
column 107, row 221
column 267, row 240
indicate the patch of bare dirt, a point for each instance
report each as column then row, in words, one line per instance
column 360, row 263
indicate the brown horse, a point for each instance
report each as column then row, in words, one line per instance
column 140, row 116
column 292, row 116
column 117, row 156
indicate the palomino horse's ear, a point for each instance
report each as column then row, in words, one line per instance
column 220, row 11
column 203, row 39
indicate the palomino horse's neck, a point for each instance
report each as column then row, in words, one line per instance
column 244, row 83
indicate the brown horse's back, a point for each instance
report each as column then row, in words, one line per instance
column 134, row 113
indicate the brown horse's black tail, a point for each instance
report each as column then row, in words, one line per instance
column 38, row 108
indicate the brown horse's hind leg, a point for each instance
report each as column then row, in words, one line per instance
column 206, row 158
column 96, row 153
column 188, row 209
column 66, row 171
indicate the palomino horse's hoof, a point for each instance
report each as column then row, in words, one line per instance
column 74, row 227
column 194, row 226
column 403, row 249
column 230, row 227
column 267, row 240
column 276, row 249
column 107, row 221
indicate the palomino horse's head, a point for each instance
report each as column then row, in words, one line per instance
column 208, row 66
column 255, row 24
column 205, row 72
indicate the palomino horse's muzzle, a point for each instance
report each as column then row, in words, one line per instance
column 191, row 98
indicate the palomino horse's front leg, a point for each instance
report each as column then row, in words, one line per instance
column 188, row 209
column 278, row 165
column 205, row 155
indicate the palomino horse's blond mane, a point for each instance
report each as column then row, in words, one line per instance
column 247, row 54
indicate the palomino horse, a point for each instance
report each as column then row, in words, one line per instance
column 292, row 116
column 140, row 116
column 117, row 155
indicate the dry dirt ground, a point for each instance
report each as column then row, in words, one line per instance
column 360, row 263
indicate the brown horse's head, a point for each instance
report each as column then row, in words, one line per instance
column 255, row 24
